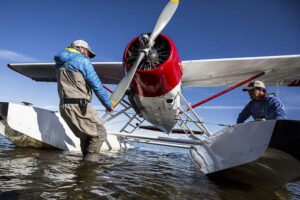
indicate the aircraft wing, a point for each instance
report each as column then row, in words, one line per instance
column 225, row 72
column 109, row 72
column 204, row 73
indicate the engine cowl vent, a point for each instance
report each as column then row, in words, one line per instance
column 158, row 54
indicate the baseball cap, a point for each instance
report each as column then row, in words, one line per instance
column 254, row 84
column 84, row 44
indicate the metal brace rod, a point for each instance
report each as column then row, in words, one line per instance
column 192, row 135
column 199, row 124
column 204, row 128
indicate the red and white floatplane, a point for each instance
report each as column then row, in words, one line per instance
column 149, row 82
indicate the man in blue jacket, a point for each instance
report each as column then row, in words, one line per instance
column 262, row 106
column 76, row 78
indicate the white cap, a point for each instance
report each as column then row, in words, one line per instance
column 254, row 84
column 84, row 44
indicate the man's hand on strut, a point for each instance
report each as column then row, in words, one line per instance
column 109, row 110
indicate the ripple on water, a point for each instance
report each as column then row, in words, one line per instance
column 145, row 173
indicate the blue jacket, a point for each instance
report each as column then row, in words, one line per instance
column 269, row 108
column 78, row 63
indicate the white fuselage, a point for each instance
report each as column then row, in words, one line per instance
column 161, row 111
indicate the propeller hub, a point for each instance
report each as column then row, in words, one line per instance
column 144, row 40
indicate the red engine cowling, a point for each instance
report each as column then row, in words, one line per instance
column 159, row 72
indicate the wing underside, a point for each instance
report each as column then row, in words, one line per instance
column 284, row 70
column 109, row 72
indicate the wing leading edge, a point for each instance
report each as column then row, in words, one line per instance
column 284, row 70
column 109, row 72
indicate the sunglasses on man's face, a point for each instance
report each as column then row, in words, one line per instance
column 252, row 90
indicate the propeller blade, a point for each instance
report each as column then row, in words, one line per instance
column 163, row 19
column 120, row 90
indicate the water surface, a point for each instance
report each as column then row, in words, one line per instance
column 146, row 172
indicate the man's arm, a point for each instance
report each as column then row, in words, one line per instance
column 244, row 115
column 96, row 85
column 277, row 109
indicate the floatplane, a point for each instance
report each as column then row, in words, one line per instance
column 149, row 82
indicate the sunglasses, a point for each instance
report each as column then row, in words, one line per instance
column 253, row 90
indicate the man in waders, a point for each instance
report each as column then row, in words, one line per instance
column 76, row 78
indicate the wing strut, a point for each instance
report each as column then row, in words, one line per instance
column 229, row 89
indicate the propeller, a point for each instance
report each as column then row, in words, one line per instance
column 146, row 44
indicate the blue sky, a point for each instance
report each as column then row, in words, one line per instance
column 33, row 31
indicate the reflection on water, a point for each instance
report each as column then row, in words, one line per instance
column 147, row 172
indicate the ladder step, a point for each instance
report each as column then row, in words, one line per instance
column 132, row 125
column 139, row 120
